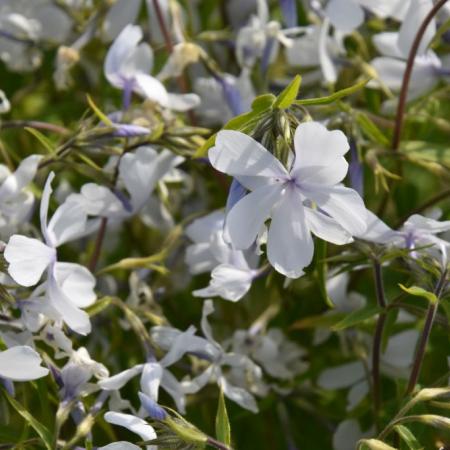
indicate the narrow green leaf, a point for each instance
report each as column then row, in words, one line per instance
column 371, row 130
column 98, row 306
column 420, row 292
column 322, row 270
column 44, row 140
column 98, row 112
column 289, row 94
column 357, row 317
column 40, row 429
column 333, row 97
column 373, row 444
column 408, row 437
column 223, row 430
column 263, row 102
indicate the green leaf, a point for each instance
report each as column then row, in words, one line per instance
column 408, row 437
column 98, row 112
column 373, row 444
column 420, row 292
column 263, row 102
column 333, row 97
column 98, row 306
column 40, row 429
column 322, row 270
column 289, row 94
column 357, row 317
column 371, row 130
column 223, row 430
column 44, row 140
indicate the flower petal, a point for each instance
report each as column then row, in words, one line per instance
column 76, row 282
column 237, row 154
column 120, row 379
column 21, row 363
column 417, row 11
column 23, row 175
column 326, row 228
column 345, row 15
column 76, row 319
column 343, row 204
column 318, row 152
column 246, row 218
column 132, row 423
column 27, row 258
column 290, row 246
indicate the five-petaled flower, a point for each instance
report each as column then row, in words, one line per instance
column 305, row 198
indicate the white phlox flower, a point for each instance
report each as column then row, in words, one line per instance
column 232, row 271
column 207, row 348
column 418, row 231
column 260, row 38
column 16, row 201
column 306, row 198
column 128, row 65
column 68, row 287
column 140, row 173
column 277, row 355
column 395, row 46
column 77, row 372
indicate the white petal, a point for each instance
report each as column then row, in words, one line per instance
column 199, row 382
column 201, row 229
column 418, row 222
column 345, row 15
column 24, row 174
column 76, row 282
column 228, row 282
column 76, row 319
column 237, row 154
column 239, row 395
column 21, row 363
column 182, row 102
column 356, row 394
column 387, row 44
column 151, row 88
column 123, row 45
column 290, row 246
column 120, row 445
column 119, row 15
column 208, row 309
column 173, row 387
column 347, row 434
column 151, row 379
column 390, row 71
column 326, row 228
column 400, row 350
column 67, row 223
column 377, row 230
column 246, row 218
column 342, row 376
column 326, row 63
column 318, row 152
column 343, row 204
column 43, row 210
column 140, row 59
column 132, row 423
column 395, row 9
column 417, row 11
column 200, row 259
column 27, row 258
column 121, row 379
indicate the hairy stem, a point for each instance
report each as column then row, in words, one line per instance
column 378, row 338
column 425, row 336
